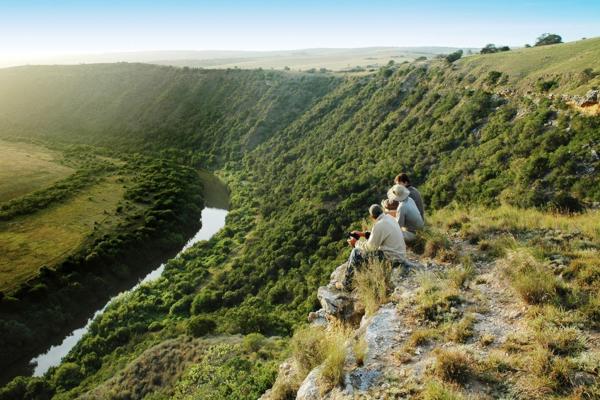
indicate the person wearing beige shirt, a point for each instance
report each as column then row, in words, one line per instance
column 385, row 242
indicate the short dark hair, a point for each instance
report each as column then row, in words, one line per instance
column 402, row 178
column 375, row 210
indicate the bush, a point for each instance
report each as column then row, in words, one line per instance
column 548, row 38
column 201, row 325
column 67, row 376
column 454, row 56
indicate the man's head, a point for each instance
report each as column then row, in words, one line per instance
column 402, row 179
column 375, row 211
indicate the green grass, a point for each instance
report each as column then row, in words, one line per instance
column 526, row 66
column 25, row 168
column 27, row 243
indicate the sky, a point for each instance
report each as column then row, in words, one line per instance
column 30, row 28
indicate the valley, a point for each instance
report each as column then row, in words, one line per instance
column 507, row 167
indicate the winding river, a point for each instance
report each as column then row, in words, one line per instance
column 216, row 201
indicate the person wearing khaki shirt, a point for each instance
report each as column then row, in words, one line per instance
column 385, row 242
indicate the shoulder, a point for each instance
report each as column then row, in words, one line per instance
column 414, row 190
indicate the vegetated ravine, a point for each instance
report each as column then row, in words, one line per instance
column 213, row 219
column 304, row 155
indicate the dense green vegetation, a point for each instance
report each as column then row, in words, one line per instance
column 300, row 180
column 161, row 206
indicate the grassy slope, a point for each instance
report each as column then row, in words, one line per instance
column 25, row 168
column 527, row 65
column 150, row 107
column 48, row 236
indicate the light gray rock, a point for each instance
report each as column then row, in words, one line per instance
column 336, row 302
column 309, row 390
column 382, row 334
column 361, row 379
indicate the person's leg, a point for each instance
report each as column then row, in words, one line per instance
column 354, row 261
column 408, row 235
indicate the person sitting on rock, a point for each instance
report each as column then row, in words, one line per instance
column 407, row 214
column 403, row 179
column 384, row 242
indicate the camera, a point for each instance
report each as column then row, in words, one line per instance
column 354, row 235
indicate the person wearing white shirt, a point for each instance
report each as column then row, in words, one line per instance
column 385, row 242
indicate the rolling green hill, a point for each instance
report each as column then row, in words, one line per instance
column 304, row 157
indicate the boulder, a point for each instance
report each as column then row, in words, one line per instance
column 382, row 334
column 309, row 390
column 591, row 98
column 337, row 303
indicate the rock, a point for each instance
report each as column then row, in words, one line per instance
column 337, row 275
column 582, row 379
column 286, row 376
column 591, row 98
column 337, row 303
column 318, row 318
column 361, row 379
column 382, row 334
column 309, row 390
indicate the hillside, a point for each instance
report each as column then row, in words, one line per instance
column 307, row 181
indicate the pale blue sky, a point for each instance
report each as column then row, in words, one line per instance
column 46, row 27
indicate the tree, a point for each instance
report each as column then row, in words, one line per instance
column 454, row 56
column 489, row 48
column 548, row 38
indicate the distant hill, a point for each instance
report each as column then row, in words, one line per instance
column 335, row 59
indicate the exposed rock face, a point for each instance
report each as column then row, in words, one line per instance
column 591, row 98
column 309, row 390
column 286, row 376
column 337, row 303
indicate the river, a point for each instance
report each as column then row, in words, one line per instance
column 216, row 201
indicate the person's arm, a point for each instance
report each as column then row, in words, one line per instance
column 374, row 241
column 400, row 215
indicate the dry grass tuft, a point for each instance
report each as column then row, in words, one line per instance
column 452, row 365
column 530, row 278
column 435, row 390
column 372, row 285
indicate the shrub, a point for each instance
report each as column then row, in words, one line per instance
column 201, row 325
column 548, row 38
column 67, row 376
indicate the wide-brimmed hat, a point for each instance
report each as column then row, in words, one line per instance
column 398, row 193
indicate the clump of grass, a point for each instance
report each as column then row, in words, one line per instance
column 497, row 247
column 372, row 285
column 332, row 369
column 435, row 244
column 486, row 339
column 435, row 297
column 561, row 341
column 452, row 365
column 315, row 346
column 435, row 390
column 421, row 336
column 308, row 349
column 462, row 330
column 461, row 275
column 530, row 278
column 360, row 350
